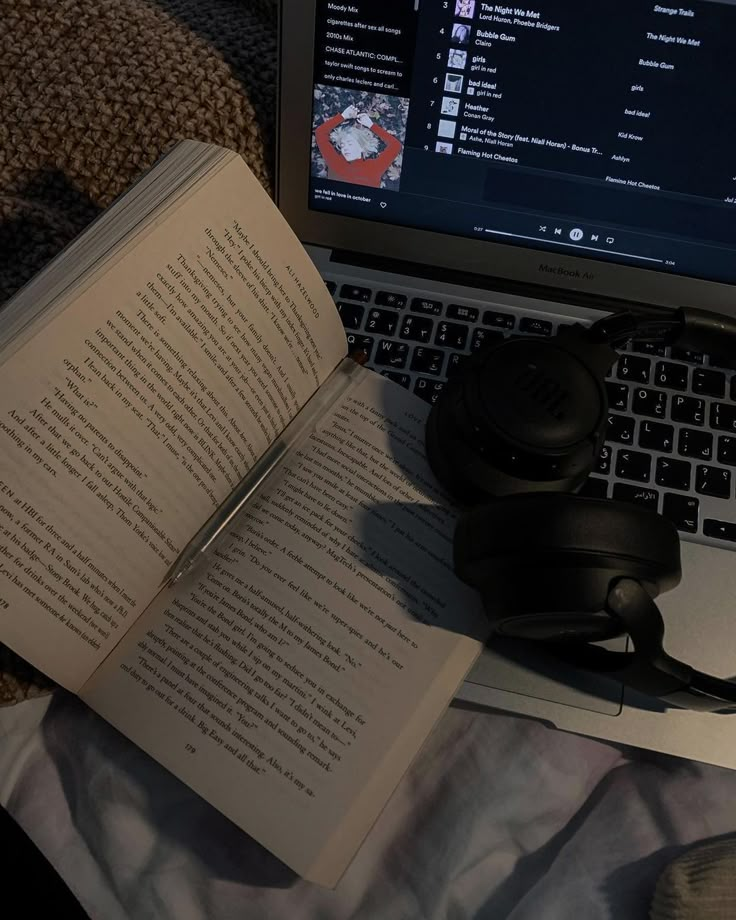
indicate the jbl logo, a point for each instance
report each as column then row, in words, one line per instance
column 544, row 390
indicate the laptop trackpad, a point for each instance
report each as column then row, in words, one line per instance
column 519, row 668
column 700, row 628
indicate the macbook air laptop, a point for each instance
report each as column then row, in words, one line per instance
column 462, row 171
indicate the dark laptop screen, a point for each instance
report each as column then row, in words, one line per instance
column 604, row 130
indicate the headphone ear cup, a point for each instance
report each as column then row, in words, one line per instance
column 544, row 562
column 438, row 459
column 523, row 415
column 442, row 457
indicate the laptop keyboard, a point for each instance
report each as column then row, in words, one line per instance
column 671, row 442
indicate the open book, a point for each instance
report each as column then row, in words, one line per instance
column 292, row 679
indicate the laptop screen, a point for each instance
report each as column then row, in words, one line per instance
column 603, row 130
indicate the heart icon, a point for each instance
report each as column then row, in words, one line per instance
column 383, row 204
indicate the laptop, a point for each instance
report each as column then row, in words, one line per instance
column 461, row 171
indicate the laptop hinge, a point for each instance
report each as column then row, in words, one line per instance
column 489, row 283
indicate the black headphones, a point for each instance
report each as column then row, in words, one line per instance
column 519, row 430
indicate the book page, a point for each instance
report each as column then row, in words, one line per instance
column 292, row 681
column 130, row 417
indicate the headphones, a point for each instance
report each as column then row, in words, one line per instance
column 516, row 433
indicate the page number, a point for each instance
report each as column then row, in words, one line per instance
column 190, row 749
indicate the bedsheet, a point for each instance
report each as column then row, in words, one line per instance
column 499, row 818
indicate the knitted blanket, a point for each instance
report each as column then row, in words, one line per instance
column 93, row 92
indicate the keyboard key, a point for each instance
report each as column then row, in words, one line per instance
column 402, row 379
column 467, row 314
column 533, row 326
column 720, row 530
column 636, row 495
column 723, row 417
column 621, row 429
column 351, row 292
column 387, row 299
column 671, row 375
column 416, row 328
column 351, row 314
column 618, row 396
column 694, row 443
column 712, row 480
column 603, row 463
column 451, row 335
column 483, row 337
column 502, row 320
column 709, row 383
column 727, row 450
column 429, row 390
column 656, row 436
column 427, row 360
column 391, row 354
column 594, row 488
column 649, row 348
column 673, row 474
column 631, row 464
column 682, row 510
column 634, row 368
column 381, row 322
column 684, row 354
column 689, row 410
column 331, row 286
column 649, row 402
column 455, row 363
column 360, row 344
column 427, row 307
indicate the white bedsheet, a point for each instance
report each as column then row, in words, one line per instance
column 499, row 819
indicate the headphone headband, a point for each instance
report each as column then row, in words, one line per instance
column 687, row 327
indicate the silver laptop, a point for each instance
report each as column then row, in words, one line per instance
column 462, row 171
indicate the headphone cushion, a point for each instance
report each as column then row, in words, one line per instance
column 556, row 551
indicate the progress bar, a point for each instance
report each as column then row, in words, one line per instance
column 545, row 239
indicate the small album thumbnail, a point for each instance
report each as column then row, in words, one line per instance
column 450, row 106
column 460, row 33
column 446, row 128
column 465, row 9
column 457, row 58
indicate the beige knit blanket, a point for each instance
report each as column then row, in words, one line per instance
column 91, row 93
